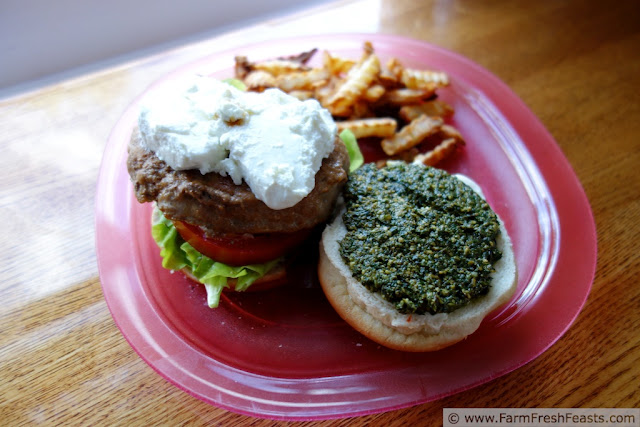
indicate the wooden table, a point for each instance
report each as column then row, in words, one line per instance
column 576, row 64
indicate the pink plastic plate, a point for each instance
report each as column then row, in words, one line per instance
column 284, row 353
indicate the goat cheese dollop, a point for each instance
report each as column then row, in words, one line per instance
column 271, row 140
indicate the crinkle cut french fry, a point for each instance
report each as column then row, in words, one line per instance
column 395, row 68
column 242, row 67
column 424, row 79
column 302, row 80
column 412, row 78
column 373, row 93
column 432, row 108
column 450, row 140
column 277, row 67
column 405, row 96
column 372, row 127
column 323, row 92
column 449, row 131
column 259, row 80
column 356, row 83
column 336, row 64
column 388, row 80
column 443, row 150
column 412, row 134
column 360, row 109
column 273, row 66
column 367, row 47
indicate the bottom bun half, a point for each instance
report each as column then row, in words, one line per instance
column 378, row 320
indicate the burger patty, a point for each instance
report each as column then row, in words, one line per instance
column 217, row 205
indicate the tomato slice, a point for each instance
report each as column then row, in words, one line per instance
column 241, row 249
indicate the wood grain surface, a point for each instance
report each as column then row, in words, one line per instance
column 63, row 361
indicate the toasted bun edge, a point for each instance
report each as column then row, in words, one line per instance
column 376, row 318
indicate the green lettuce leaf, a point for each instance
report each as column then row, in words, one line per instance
column 353, row 149
column 177, row 255
column 238, row 84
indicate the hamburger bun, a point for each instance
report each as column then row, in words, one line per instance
column 378, row 320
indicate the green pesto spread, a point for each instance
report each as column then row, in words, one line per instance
column 421, row 238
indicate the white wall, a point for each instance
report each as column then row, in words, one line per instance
column 42, row 38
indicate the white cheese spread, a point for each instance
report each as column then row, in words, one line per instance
column 271, row 140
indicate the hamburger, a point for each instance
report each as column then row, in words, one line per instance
column 415, row 258
column 238, row 179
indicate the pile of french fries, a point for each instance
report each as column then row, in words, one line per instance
column 397, row 105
